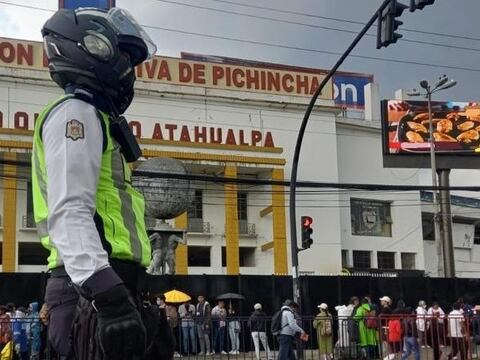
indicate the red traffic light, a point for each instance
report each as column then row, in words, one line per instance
column 306, row 221
column 307, row 232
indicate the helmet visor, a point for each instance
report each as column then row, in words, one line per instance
column 125, row 24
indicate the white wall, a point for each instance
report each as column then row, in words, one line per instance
column 360, row 156
column 467, row 260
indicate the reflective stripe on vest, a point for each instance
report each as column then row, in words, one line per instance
column 119, row 206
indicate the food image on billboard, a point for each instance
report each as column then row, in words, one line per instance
column 456, row 129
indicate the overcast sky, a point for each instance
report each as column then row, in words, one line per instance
column 179, row 22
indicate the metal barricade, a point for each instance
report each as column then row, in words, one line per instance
column 449, row 337
column 392, row 337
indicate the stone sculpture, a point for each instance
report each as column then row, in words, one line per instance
column 164, row 199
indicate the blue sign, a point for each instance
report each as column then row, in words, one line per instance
column 75, row 4
column 348, row 90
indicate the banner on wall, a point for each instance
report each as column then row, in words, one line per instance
column 179, row 71
column 348, row 88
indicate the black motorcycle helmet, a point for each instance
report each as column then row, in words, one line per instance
column 97, row 50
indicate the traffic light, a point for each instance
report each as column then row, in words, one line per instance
column 307, row 232
column 419, row 4
column 387, row 23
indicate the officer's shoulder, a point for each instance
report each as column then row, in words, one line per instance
column 69, row 112
column 72, row 108
column 78, row 106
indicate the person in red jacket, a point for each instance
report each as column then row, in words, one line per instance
column 395, row 331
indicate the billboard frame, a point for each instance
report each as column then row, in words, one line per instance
column 457, row 160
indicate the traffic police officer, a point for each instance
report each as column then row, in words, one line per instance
column 87, row 213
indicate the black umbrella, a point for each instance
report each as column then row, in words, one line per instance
column 230, row 296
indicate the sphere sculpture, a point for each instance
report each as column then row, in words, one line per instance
column 165, row 198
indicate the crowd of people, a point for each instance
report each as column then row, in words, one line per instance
column 360, row 330
column 365, row 329
column 20, row 332
column 206, row 330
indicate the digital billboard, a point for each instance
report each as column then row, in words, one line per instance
column 406, row 138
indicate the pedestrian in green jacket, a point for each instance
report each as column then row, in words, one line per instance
column 368, row 336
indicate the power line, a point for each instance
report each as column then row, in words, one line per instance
column 350, row 21
column 283, row 21
column 337, row 203
column 417, row 31
column 365, row 57
column 304, row 184
column 27, row 6
column 285, row 183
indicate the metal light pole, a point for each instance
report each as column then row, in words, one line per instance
column 443, row 239
column 298, row 146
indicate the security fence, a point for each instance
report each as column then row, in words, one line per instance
column 397, row 336
column 354, row 337
column 271, row 291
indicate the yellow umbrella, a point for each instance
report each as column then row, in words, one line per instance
column 175, row 296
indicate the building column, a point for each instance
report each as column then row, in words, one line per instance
column 9, row 249
column 398, row 260
column 181, row 253
column 280, row 266
column 374, row 259
column 231, row 223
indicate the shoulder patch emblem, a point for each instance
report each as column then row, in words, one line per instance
column 74, row 130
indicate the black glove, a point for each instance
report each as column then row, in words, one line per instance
column 121, row 333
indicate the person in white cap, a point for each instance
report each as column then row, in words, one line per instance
column 323, row 323
column 257, row 326
column 422, row 324
column 385, row 303
column 385, row 314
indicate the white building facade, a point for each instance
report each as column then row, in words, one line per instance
column 234, row 120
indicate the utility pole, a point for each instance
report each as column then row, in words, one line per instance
column 442, row 214
column 445, row 211
column 433, row 165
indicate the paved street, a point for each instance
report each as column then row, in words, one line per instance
column 426, row 354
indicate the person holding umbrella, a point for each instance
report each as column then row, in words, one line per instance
column 233, row 330
column 170, row 298
column 233, row 323
column 219, row 314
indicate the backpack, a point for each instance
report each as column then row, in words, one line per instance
column 326, row 328
column 371, row 321
column 276, row 325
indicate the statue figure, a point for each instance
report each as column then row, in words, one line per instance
column 157, row 265
column 163, row 253
column 172, row 244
